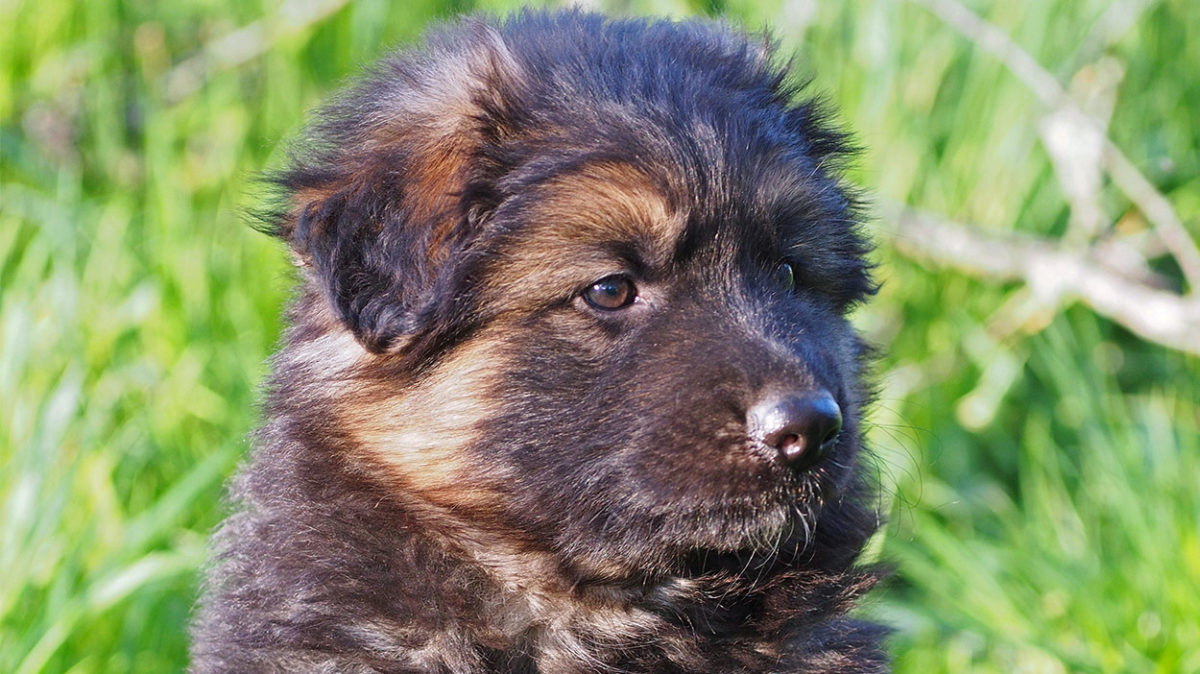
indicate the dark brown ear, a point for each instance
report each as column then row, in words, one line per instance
column 391, row 182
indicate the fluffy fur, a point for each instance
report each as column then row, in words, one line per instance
column 465, row 466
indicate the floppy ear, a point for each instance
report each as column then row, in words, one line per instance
column 392, row 182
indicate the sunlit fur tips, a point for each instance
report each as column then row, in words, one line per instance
column 569, row 288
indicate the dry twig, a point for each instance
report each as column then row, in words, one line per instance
column 1050, row 93
column 1053, row 275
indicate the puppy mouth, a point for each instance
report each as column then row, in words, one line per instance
column 755, row 525
column 747, row 502
column 769, row 498
column 758, row 485
column 741, row 478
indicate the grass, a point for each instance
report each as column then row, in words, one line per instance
column 1045, row 515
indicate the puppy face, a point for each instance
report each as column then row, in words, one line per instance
column 582, row 287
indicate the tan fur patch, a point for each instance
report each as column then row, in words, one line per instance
column 578, row 218
column 331, row 357
column 417, row 434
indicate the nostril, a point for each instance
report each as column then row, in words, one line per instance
column 791, row 444
column 801, row 427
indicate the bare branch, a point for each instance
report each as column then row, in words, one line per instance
column 1053, row 275
column 1050, row 93
column 997, row 43
column 1158, row 210
column 1117, row 20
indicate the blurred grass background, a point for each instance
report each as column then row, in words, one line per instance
column 1046, row 479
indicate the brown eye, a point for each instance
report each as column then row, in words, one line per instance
column 610, row 293
column 783, row 277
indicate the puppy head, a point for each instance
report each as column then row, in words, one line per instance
column 583, row 281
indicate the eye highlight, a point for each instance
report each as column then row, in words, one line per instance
column 611, row 293
column 783, row 277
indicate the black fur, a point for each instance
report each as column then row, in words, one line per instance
column 487, row 475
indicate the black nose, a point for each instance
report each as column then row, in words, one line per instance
column 803, row 427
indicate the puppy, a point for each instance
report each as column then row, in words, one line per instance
column 569, row 385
